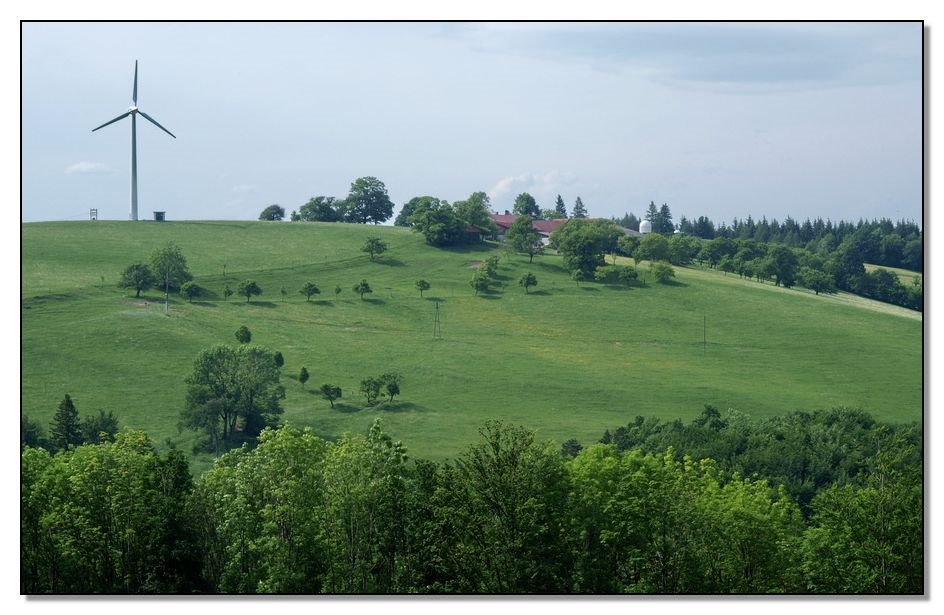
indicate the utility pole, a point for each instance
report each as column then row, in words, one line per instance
column 437, row 331
column 166, row 290
column 704, row 334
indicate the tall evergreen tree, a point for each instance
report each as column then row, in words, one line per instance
column 579, row 210
column 65, row 429
column 665, row 220
column 559, row 207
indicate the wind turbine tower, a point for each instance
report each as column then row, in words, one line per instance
column 133, row 111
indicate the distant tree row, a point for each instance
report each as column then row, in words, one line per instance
column 66, row 430
column 526, row 205
column 884, row 242
column 443, row 224
column 510, row 514
column 367, row 202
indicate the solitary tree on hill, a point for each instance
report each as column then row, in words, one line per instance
column 303, row 376
column 374, row 246
column 227, row 292
column 422, row 285
column 137, row 276
column 390, row 382
column 169, row 267
column 362, row 288
column 370, row 387
column 528, row 280
column 309, row 289
column 190, row 290
column 367, row 201
column 272, row 212
column 331, row 393
column 243, row 335
column 249, row 288
column 524, row 238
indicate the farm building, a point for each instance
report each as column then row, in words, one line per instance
column 544, row 227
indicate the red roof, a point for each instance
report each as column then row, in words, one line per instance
column 548, row 226
column 545, row 227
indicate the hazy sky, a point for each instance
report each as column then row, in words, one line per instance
column 715, row 119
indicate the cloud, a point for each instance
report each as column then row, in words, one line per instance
column 85, row 167
column 724, row 55
column 542, row 186
column 244, row 189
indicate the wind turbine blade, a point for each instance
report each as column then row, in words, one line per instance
column 153, row 121
column 122, row 116
column 134, row 95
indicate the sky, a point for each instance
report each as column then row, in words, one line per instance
column 717, row 119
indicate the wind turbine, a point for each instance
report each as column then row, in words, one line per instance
column 133, row 111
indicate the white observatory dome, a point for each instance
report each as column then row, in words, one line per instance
column 645, row 227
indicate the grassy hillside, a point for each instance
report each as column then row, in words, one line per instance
column 569, row 361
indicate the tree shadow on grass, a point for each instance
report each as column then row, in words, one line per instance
column 540, row 293
column 400, row 406
column 673, row 283
column 204, row 303
column 589, row 289
column 264, row 304
column 466, row 248
column 436, row 299
column 346, row 408
column 374, row 300
column 489, row 295
column 390, row 262
column 323, row 303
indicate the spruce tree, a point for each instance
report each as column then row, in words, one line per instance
column 559, row 208
column 65, row 430
column 579, row 210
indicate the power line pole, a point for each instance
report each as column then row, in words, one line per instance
column 437, row 330
column 704, row 334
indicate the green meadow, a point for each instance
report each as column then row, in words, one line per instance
column 566, row 360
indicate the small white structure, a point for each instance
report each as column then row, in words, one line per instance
column 645, row 227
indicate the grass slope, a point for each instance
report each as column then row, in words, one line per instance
column 569, row 361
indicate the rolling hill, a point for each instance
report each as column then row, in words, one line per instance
column 567, row 360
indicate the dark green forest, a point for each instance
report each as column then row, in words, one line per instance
column 823, row 502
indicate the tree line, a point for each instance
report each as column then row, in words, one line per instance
column 510, row 514
column 886, row 242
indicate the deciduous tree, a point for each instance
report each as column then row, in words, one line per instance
column 524, row 238
column 137, row 276
column 528, row 280
column 169, row 267
column 374, row 246
column 331, row 393
column 309, row 289
column 249, row 289
column 367, row 201
column 362, row 288
column 229, row 386
column 525, row 205
column 273, row 213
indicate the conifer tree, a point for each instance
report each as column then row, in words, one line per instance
column 579, row 210
column 559, row 208
column 65, row 430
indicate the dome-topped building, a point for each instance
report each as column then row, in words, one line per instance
column 645, row 227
